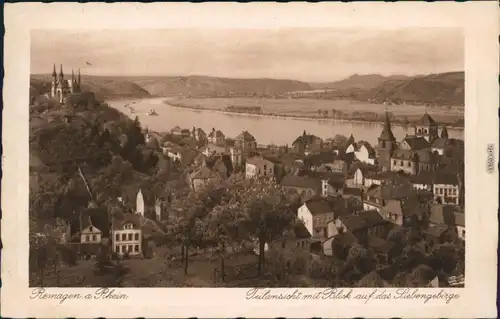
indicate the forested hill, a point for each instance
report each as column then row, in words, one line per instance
column 109, row 147
column 441, row 89
column 113, row 87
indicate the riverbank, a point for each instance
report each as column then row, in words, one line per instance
column 343, row 117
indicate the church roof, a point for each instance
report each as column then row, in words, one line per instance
column 426, row 120
column 386, row 131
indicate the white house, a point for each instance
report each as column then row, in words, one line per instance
column 315, row 214
column 447, row 189
column 90, row 234
column 127, row 235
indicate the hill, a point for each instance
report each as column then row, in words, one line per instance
column 357, row 81
column 202, row 85
column 114, row 87
column 103, row 87
column 444, row 88
column 440, row 89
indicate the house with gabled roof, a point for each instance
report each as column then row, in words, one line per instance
column 216, row 137
column 307, row 143
column 305, row 186
column 127, row 235
column 245, row 141
column 201, row 177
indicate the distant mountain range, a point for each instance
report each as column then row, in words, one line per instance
column 443, row 88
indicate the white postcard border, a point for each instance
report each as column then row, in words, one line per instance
column 481, row 27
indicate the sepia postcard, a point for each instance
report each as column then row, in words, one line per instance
column 250, row 160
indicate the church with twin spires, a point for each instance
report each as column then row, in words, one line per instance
column 62, row 87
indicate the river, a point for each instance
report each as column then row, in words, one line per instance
column 266, row 129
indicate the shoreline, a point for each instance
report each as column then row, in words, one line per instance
column 302, row 117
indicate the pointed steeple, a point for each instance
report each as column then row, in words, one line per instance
column 444, row 133
column 61, row 74
column 72, row 76
column 54, row 74
column 79, row 78
column 386, row 131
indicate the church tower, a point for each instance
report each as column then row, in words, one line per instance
column 427, row 128
column 444, row 133
column 386, row 144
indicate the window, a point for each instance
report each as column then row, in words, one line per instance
column 408, row 164
column 129, row 236
column 117, row 237
column 90, row 228
column 402, row 163
column 124, row 237
column 393, row 162
column 117, row 249
column 136, row 236
column 124, row 249
column 463, row 233
column 425, row 131
column 87, row 238
column 136, row 248
column 94, row 237
column 129, row 248
column 419, row 131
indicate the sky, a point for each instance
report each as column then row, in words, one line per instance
column 311, row 55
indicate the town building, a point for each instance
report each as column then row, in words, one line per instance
column 315, row 213
column 307, row 144
column 216, row 137
column 245, row 142
column 127, row 235
column 448, row 188
column 306, row 187
column 448, row 215
column 377, row 196
column 61, row 88
column 298, row 238
column 258, row 166
column 198, row 134
column 202, row 177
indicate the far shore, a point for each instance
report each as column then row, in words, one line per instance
column 344, row 118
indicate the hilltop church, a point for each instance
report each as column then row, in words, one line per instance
column 61, row 87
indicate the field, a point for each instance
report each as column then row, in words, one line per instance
column 310, row 107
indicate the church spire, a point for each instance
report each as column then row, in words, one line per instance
column 73, row 76
column 386, row 131
column 54, row 74
column 444, row 132
column 61, row 74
